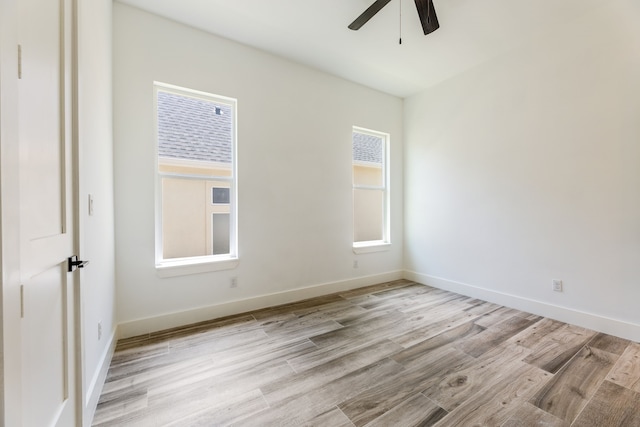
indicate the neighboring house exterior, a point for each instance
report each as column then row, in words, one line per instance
column 368, row 204
column 194, row 140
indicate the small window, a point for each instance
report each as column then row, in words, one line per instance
column 196, row 213
column 220, row 195
column 370, row 188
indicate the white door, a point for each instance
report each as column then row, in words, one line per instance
column 47, row 213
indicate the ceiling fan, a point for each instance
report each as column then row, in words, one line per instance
column 426, row 11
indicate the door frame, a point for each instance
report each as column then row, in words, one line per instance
column 10, row 216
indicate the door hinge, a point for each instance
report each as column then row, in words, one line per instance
column 22, row 301
column 19, row 61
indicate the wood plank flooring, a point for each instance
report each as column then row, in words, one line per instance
column 394, row 354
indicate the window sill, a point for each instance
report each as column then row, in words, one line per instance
column 368, row 247
column 186, row 266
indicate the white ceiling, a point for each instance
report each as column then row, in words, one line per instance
column 315, row 33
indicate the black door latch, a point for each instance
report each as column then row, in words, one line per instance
column 74, row 262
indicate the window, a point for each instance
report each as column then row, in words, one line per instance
column 220, row 195
column 196, row 179
column 370, row 188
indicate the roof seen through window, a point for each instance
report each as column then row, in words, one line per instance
column 193, row 129
column 367, row 148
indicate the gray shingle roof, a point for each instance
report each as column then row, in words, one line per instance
column 193, row 129
column 367, row 148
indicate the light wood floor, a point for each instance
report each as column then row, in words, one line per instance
column 395, row 354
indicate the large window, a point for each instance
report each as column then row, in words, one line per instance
column 196, row 190
column 370, row 188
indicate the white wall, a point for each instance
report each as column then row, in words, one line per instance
column 97, row 281
column 527, row 168
column 294, row 154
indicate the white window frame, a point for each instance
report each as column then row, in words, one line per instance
column 206, row 263
column 385, row 243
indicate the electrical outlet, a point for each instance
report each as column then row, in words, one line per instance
column 355, row 263
column 556, row 285
column 99, row 331
column 234, row 282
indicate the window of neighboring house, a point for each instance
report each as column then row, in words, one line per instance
column 196, row 180
column 370, row 189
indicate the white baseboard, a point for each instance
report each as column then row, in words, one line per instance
column 91, row 397
column 171, row 320
column 592, row 321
